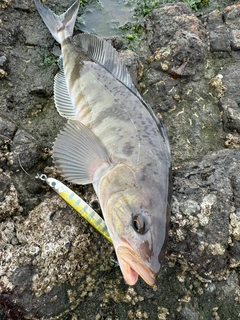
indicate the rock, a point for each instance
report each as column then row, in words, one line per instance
column 230, row 15
column 176, row 81
column 7, row 129
column 177, row 39
column 9, row 203
column 178, row 44
column 24, row 5
column 231, row 114
column 203, row 218
column 219, row 35
column 3, row 59
column 231, row 81
column 39, row 268
column 24, row 150
column 224, row 29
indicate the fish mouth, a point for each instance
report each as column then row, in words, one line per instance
column 132, row 267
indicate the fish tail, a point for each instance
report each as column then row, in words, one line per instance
column 61, row 27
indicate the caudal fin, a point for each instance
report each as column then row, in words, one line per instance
column 65, row 22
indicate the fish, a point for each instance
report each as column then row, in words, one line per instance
column 113, row 140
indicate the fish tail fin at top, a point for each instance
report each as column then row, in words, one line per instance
column 56, row 24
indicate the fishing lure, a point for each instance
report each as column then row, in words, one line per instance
column 78, row 204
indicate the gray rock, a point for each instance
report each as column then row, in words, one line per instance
column 172, row 42
column 231, row 114
column 7, row 129
column 224, row 29
column 219, row 35
column 232, row 81
column 25, row 149
column 3, row 59
column 24, row 5
column 202, row 217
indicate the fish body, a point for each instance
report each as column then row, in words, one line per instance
column 114, row 141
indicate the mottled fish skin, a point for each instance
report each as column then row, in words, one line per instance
column 134, row 184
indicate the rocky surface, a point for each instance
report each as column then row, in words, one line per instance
column 54, row 265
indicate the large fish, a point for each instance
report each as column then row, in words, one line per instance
column 114, row 141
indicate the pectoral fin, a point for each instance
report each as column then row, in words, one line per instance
column 78, row 154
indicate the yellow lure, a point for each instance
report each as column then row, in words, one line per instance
column 78, row 205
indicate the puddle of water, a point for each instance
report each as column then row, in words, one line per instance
column 105, row 17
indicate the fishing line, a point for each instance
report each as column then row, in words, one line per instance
column 18, row 155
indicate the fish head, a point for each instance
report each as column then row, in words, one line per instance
column 137, row 220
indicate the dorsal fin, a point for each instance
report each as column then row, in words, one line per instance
column 104, row 54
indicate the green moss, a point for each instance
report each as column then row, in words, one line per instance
column 48, row 59
column 145, row 7
column 130, row 36
column 82, row 3
column 196, row 4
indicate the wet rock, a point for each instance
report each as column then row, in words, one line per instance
column 9, row 202
column 235, row 39
column 202, row 224
column 24, row 5
column 3, row 59
column 230, row 103
column 52, row 245
column 231, row 114
column 189, row 313
column 231, row 14
column 219, row 35
column 224, row 30
column 25, row 149
column 177, row 39
column 176, row 81
column 178, row 45
column 231, row 81
column 7, row 129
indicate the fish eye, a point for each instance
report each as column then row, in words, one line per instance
column 140, row 223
